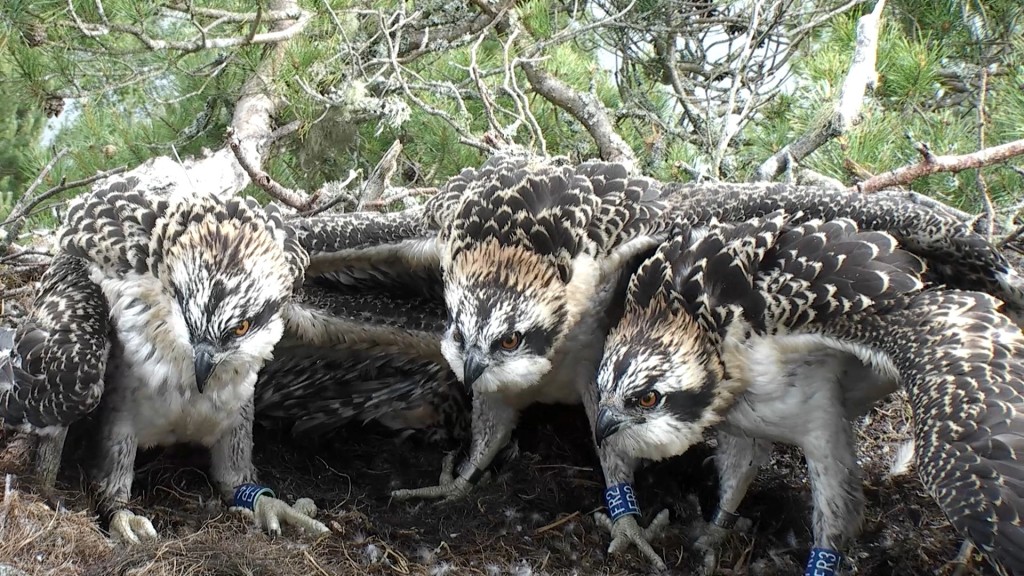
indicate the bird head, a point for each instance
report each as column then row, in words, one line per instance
column 661, row 381
column 507, row 313
column 228, row 273
column 660, row 385
column 519, row 269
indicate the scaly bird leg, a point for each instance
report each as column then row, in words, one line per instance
column 493, row 423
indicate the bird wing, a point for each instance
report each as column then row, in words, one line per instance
column 358, row 355
column 60, row 354
column 320, row 388
column 962, row 363
column 956, row 255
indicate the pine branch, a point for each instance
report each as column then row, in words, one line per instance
column 847, row 111
column 586, row 109
column 932, row 164
column 296, row 17
column 28, row 201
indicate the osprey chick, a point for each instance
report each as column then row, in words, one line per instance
column 712, row 319
column 160, row 312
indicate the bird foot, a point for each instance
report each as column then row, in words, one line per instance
column 128, row 527
column 269, row 513
column 626, row 531
column 710, row 543
column 450, row 487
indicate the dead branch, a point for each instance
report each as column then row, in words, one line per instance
column 931, row 164
column 27, row 202
column 990, row 211
column 586, row 109
column 297, row 199
column 296, row 17
column 847, row 110
column 336, row 198
column 380, row 178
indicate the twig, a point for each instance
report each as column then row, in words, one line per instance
column 381, row 176
column 64, row 187
column 1011, row 237
column 932, row 164
column 848, row 109
column 557, row 523
column 337, row 199
column 401, row 196
column 11, row 257
column 28, row 201
column 295, row 198
column 990, row 212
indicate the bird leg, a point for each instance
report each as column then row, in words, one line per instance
column 623, row 510
column 836, row 490
column 493, row 423
column 113, row 479
column 233, row 472
column 625, row 530
column 737, row 460
column 49, row 451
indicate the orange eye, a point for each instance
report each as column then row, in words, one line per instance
column 241, row 329
column 649, row 400
column 510, row 341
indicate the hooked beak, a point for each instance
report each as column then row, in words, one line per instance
column 472, row 368
column 608, row 423
column 203, row 363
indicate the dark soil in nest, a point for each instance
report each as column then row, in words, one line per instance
column 534, row 517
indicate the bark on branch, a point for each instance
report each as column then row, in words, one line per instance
column 848, row 109
column 931, row 164
column 252, row 128
column 585, row 108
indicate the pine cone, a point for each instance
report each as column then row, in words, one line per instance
column 53, row 106
column 35, row 34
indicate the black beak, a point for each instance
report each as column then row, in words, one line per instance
column 608, row 423
column 203, row 363
column 472, row 369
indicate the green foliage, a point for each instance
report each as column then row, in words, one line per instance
column 928, row 78
column 125, row 103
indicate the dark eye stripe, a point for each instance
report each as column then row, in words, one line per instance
column 688, row 405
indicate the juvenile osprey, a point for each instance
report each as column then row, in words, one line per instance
column 159, row 312
column 714, row 317
column 531, row 253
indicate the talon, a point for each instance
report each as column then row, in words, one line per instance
column 626, row 531
column 450, row 487
column 305, row 506
column 128, row 527
column 270, row 512
column 711, row 541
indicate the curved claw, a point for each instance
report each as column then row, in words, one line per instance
column 626, row 531
column 128, row 527
column 270, row 512
column 450, row 487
